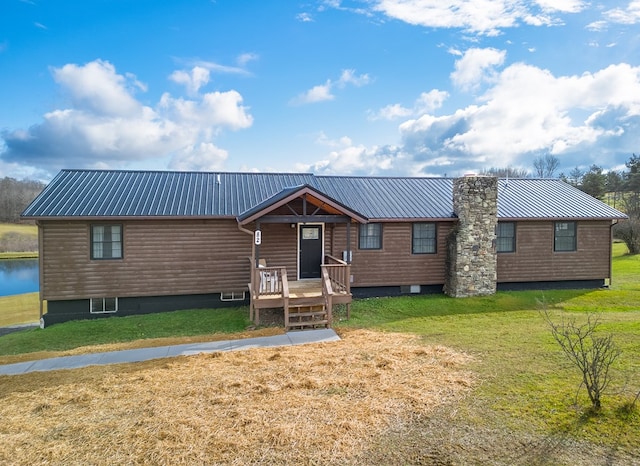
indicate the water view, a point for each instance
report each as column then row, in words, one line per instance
column 18, row 276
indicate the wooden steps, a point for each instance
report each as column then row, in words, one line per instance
column 307, row 316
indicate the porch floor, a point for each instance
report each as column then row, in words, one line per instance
column 307, row 288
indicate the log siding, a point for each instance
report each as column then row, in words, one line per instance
column 161, row 257
column 535, row 260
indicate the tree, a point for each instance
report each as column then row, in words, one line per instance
column 629, row 230
column 632, row 177
column 507, row 172
column 575, row 177
column 614, row 186
column 592, row 354
column 546, row 165
column 594, row 182
column 15, row 196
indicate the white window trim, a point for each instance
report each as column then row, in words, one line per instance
column 102, row 311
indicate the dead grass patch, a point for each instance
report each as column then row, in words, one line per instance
column 314, row 404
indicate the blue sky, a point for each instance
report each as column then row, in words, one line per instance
column 371, row 87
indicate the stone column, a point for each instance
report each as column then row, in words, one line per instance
column 471, row 250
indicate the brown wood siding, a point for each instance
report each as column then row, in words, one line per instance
column 161, row 257
column 535, row 259
column 279, row 247
column 394, row 264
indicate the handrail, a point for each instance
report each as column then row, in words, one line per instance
column 339, row 273
column 327, row 293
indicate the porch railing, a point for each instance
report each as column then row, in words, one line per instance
column 271, row 284
column 336, row 274
column 339, row 273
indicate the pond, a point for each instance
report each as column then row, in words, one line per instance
column 18, row 276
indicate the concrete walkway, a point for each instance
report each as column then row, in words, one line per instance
column 145, row 354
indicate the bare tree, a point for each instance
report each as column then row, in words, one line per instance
column 15, row 196
column 546, row 165
column 593, row 355
column 506, row 172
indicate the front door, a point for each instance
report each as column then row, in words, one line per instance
column 310, row 251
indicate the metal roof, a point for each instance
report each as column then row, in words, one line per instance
column 549, row 198
column 116, row 194
column 392, row 198
column 108, row 193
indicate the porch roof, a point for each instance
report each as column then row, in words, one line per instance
column 311, row 195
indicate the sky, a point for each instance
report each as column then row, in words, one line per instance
column 365, row 88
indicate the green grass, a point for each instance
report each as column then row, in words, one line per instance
column 524, row 383
column 19, row 255
column 75, row 334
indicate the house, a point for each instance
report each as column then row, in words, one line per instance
column 130, row 242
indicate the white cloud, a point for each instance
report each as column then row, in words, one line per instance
column 477, row 66
column 350, row 77
column 356, row 159
column 324, row 92
column 244, row 58
column 529, row 111
column 106, row 126
column 628, row 15
column 485, row 17
column 304, row 17
column 565, row 6
column 427, row 102
column 204, row 156
column 193, row 81
column 97, row 88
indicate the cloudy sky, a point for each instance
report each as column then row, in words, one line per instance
column 369, row 87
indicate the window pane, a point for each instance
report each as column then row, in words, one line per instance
column 424, row 238
column 506, row 237
column 565, row 236
column 370, row 236
column 106, row 242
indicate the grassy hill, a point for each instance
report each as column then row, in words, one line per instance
column 18, row 241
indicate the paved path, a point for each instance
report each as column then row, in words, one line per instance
column 145, row 354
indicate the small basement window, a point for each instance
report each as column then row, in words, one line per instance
column 103, row 305
column 232, row 296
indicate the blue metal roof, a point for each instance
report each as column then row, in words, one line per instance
column 121, row 194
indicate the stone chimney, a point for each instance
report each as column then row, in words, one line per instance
column 471, row 250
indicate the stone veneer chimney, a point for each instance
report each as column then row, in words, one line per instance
column 471, row 251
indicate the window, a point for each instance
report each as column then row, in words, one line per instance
column 423, row 238
column 106, row 241
column 506, row 237
column 232, row 296
column 370, row 236
column 565, row 236
column 103, row 305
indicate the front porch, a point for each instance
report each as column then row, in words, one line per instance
column 305, row 303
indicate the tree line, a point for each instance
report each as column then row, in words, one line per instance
column 15, row 196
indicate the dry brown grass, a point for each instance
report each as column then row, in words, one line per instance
column 314, row 404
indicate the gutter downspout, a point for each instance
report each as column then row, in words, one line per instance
column 613, row 223
column 40, row 270
column 253, row 245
